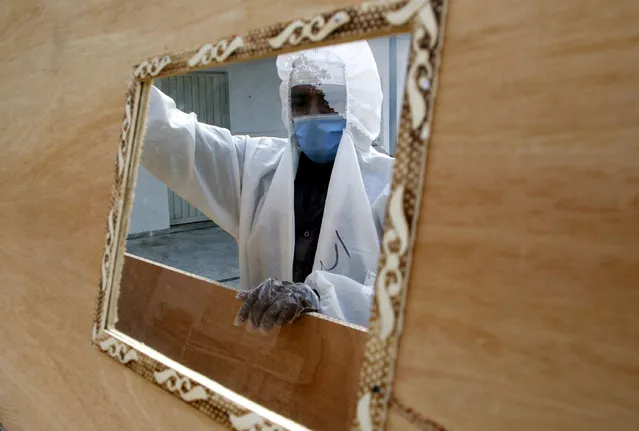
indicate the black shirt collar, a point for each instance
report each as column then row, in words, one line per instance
column 310, row 172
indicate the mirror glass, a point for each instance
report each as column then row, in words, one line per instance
column 256, row 222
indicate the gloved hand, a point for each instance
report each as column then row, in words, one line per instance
column 275, row 302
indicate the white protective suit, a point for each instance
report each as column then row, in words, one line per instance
column 246, row 185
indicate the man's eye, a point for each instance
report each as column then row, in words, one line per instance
column 299, row 104
column 325, row 107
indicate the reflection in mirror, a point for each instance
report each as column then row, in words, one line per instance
column 271, row 178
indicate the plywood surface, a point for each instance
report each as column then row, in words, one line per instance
column 522, row 305
column 301, row 371
column 64, row 72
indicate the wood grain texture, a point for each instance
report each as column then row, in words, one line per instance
column 301, row 371
column 522, row 304
column 65, row 66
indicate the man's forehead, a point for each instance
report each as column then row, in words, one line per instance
column 304, row 88
column 319, row 88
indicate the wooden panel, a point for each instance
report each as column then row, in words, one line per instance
column 65, row 67
column 522, row 312
column 523, row 305
column 302, row 370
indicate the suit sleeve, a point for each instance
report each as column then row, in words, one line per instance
column 202, row 163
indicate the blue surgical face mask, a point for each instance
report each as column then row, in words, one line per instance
column 319, row 135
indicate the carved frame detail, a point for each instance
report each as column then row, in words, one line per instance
column 425, row 20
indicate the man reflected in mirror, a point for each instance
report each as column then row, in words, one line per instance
column 307, row 211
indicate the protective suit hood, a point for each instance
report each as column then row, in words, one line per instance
column 351, row 65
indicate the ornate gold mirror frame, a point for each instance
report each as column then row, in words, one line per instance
column 424, row 19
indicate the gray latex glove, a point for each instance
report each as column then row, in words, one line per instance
column 275, row 302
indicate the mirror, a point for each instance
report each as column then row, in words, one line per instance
column 259, row 236
column 195, row 231
column 257, row 217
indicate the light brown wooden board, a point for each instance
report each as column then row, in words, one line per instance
column 522, row 309
column 523, row 304
column 301, row 371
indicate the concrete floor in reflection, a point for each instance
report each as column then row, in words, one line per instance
column 206, row 251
